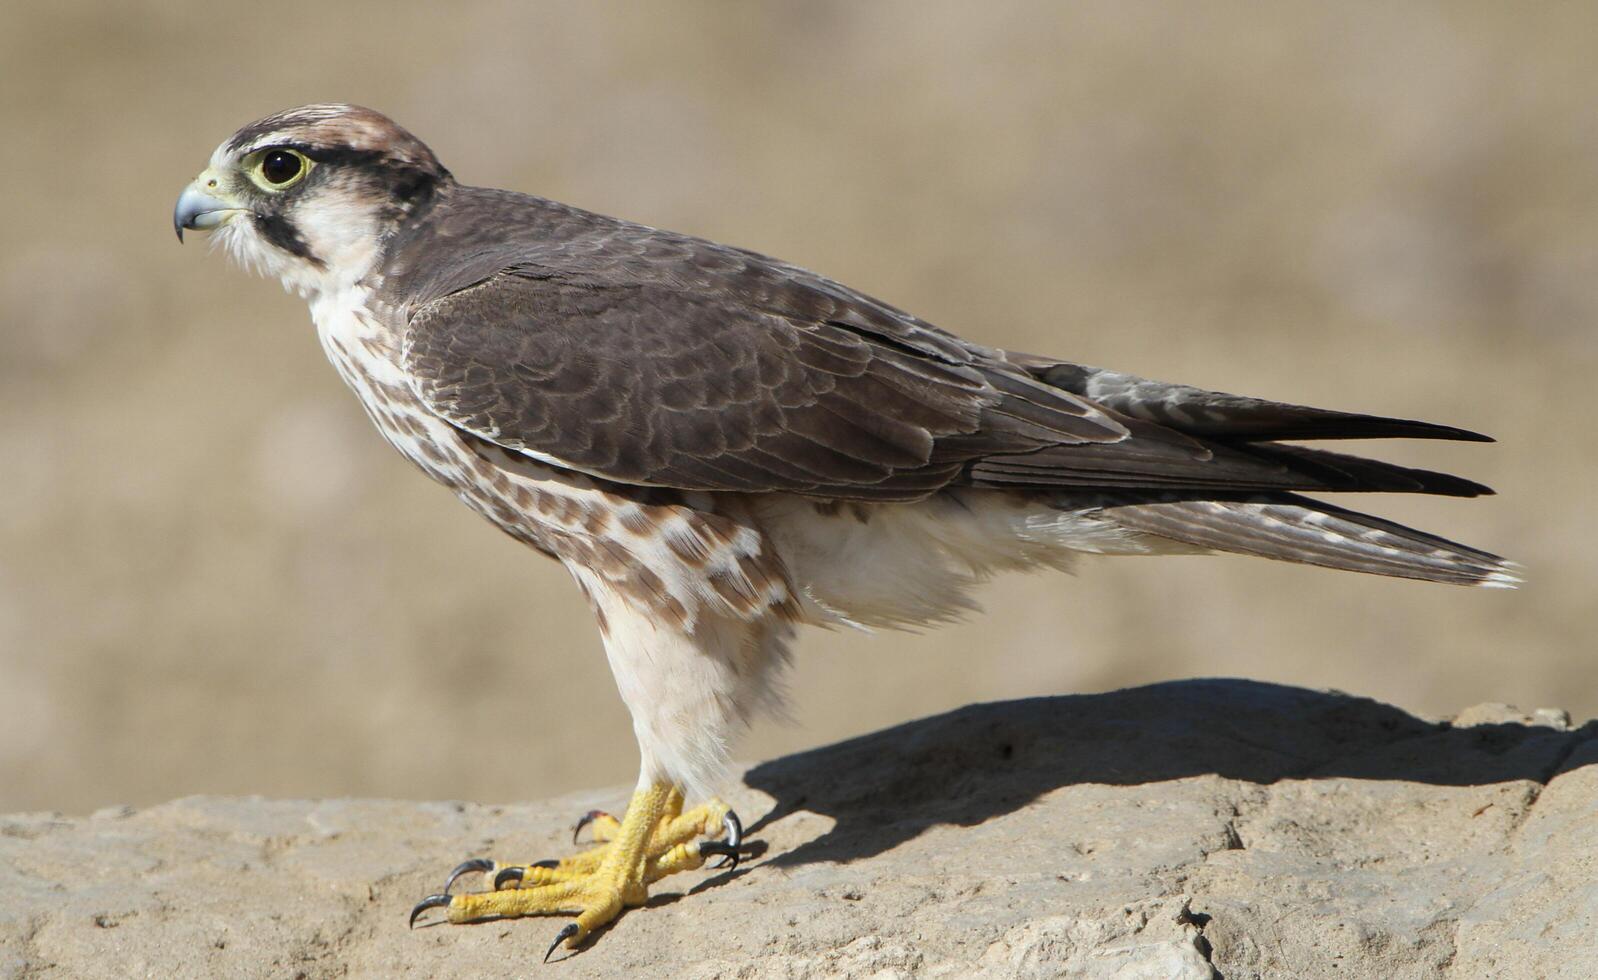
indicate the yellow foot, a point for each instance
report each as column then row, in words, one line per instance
column 655, row 839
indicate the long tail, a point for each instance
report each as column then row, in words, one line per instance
column 1212, row 504
column 1292, row 528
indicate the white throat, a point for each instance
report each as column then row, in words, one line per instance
column 345, row 239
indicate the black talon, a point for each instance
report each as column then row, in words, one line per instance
column 467, row 867
column 430, row 902
column 516, row 874
column 565, row 933
column 735, row 836
column 585, row 820
column 728, row 853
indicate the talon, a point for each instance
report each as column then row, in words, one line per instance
column 655, row 840
column 735, row 836
column 585, row 820
column 467, row 867
column 516, row 873
column 430, row 902
column 568, row 931
column 728, row 853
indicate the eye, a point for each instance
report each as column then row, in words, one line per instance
column 279, row 167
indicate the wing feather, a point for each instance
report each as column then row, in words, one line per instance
column 638, row 382
column 1219, row 415
column 642, row 356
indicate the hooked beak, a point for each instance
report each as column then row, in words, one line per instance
column 199, row 209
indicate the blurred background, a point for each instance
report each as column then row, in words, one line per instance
column 215, row 577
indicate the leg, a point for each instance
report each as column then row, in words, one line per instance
column 686, row 688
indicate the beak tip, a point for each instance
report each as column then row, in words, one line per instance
column 198, row 209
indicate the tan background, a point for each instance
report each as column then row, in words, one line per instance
column 215, row 578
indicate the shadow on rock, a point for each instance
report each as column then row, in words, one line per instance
column 985, row 760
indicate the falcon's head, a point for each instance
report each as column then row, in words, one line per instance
column 310, row 194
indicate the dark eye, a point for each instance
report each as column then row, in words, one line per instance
column 280, row 166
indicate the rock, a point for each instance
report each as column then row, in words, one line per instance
column 1191, row 829
column 1496, row 713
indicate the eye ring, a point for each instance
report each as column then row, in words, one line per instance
column 278, row 168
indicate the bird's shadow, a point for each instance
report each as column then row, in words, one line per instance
column 986, row 760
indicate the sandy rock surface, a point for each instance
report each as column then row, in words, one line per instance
column 1195, row 829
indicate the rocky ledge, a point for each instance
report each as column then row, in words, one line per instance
column 1195, row 829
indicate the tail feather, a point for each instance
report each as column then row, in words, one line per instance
column 1238, row 493
column 1222, row 415
column 1341, row 471
column 1292, row 528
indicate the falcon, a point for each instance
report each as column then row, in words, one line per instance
column 721, row 447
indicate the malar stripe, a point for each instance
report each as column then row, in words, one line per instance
column 280, row 232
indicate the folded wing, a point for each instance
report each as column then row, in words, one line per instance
column 696, row 366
